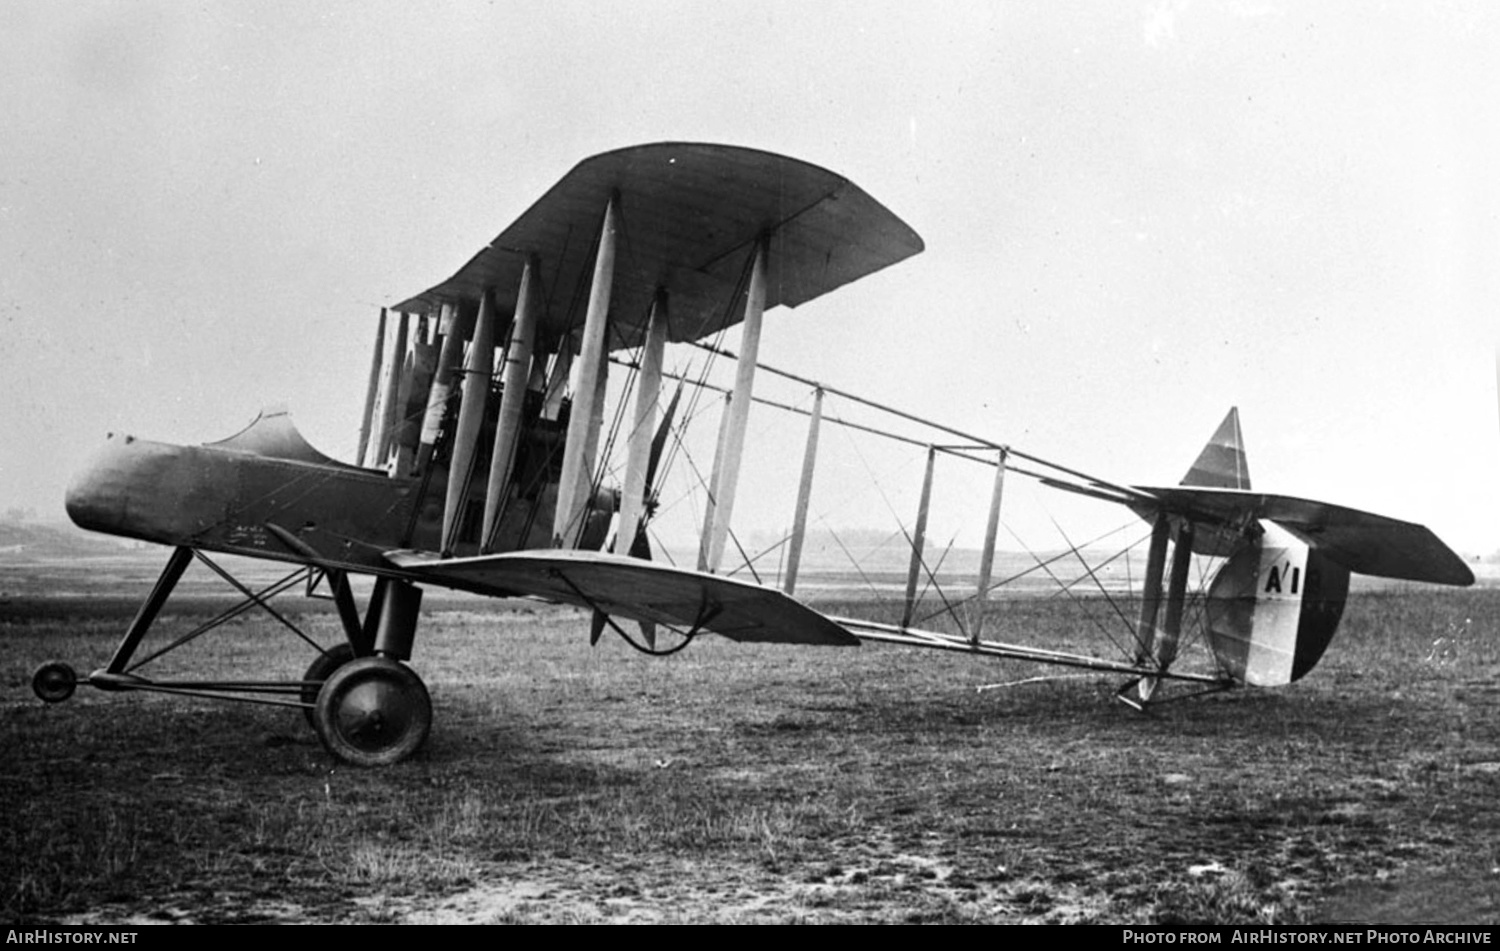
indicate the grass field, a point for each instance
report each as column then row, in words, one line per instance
column 732, row 783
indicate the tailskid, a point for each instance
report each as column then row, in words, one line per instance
column 1144, row 701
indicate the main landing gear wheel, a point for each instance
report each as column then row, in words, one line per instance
column 54, row 681
column 373, row 711
column 319, row 671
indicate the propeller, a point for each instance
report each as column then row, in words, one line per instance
column 640, row 546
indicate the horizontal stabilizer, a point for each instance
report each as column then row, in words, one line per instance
column 634, row 589
column 1364, row 543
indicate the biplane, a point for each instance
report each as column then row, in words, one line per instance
column 480, row 468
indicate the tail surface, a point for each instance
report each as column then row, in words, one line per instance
column 1221, row 464
column 1275, row 602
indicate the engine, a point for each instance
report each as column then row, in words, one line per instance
column 1273, row 607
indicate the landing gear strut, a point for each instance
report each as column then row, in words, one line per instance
column 367, row 706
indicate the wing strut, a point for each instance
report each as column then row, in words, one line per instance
column 987, row 554
column 583, row 425
column 390, row 395
column 416, row 385
column 371, row 390
column 477, row 371
column 737, row 417
column 804, row 493
column 508, row 426
column 918, row 539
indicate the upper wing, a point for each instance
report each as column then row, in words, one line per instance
column 690, row 214
column 635, row 589
column 1364, row 543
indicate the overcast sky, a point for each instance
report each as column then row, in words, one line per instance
column 1136, row 215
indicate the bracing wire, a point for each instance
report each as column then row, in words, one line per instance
column 1039, row 564
column 750, row 560
column 1068, row 590
column 855, row 562
column 932, row 583
column 1089, row 570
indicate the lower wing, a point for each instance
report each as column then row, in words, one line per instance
column 631, row 588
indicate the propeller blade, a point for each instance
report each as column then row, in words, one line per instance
column 658, row 444
column 641, row 547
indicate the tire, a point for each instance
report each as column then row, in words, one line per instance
column 54, row 681
column 373, row 711
column 320, row 670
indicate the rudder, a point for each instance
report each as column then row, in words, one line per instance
column 1222, row 464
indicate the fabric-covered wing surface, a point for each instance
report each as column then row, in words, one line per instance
column 690, row 214
column 634, row 589
column 1364, row 543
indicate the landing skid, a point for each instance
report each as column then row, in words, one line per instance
column 367, row 707
column 1150, row 692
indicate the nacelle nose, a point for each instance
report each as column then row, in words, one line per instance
column 96, row 496
column 141, row 489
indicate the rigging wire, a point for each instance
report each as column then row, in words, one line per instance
column 1039, row 564
column 1128, row 492
column 1089, row 570
column 778, row 545
column 932, row 583
column 855, row 561
column 1066, row 589
column 741, row 287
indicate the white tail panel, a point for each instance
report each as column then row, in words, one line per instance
column 1274, row 606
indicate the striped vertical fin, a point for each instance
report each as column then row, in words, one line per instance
column 1221, row 464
